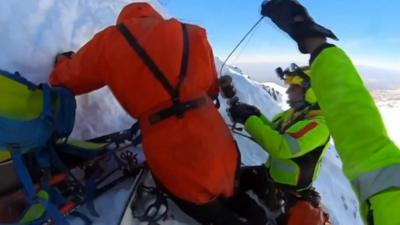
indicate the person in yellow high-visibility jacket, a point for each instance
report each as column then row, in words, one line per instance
column 370, row 158
column 296, row 141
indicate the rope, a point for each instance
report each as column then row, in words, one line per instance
column 240, row 42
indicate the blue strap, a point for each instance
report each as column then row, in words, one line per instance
column 56, row 161
column 43, row 158
column 51, row 210
column 90, row 194
column 47, row 114
column 53, row 213
column 17, row 77
column 89, row 188
column 55, row 196
column 23, row 175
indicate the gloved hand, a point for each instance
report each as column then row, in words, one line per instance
column 62, row 55
column 240, row 112
column 291, row 17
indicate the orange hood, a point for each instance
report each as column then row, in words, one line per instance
column 137, row 9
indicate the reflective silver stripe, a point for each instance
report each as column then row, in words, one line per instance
column 284, row 165
column 294, row 144
column 372, row 183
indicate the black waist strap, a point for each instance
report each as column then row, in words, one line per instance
column 177, row 110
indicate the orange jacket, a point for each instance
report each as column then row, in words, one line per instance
column 194, row 157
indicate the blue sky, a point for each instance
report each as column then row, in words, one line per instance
column 368, row 30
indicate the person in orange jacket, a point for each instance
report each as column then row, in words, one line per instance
column 163, row 73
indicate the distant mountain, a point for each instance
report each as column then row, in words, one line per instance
column 375, row 78
column 262, row 71
column 386, row 95
column 380, row 79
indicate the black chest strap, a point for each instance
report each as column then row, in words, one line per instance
column 178, row 107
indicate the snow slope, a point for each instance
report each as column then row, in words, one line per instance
column 388, row 102
column 34, row 31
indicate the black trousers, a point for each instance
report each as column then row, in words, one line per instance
column 257, row 179
column 254, row 178
column 239, row 209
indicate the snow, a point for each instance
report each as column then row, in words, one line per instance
column 388, row 102
column 34, row 31
column 391, row 118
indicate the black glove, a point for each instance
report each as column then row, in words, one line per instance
column 61, row 55
column 240, row 112
column 291, row 17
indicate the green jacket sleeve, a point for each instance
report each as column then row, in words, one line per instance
column 299, row 139
column 351, row 114
column 369, row 156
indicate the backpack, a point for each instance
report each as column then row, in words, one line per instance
column 30, row 114
column 31, row 118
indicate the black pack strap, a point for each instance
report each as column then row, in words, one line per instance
column 134, row 43
column 173, row 92
column 176, row 109
column 185, row 60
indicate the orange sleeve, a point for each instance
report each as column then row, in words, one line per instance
column 85, row 71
